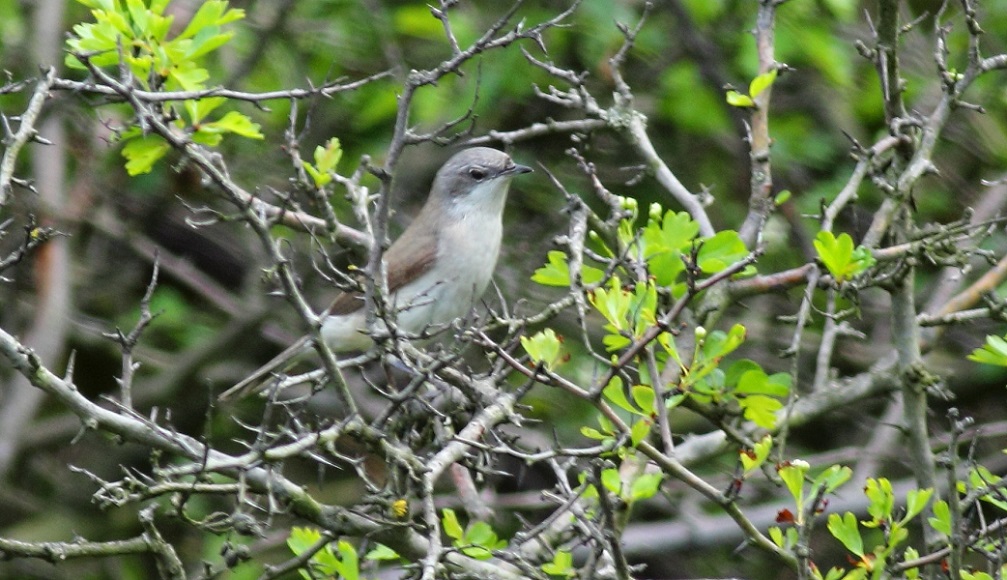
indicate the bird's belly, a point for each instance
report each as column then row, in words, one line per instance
column 452, row 288
column 347, row 332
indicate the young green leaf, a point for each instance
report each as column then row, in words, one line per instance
column 792, row 473
column 761, row 83
column 449, row 521
column 592, row 433
column 643, row 397
column 645, row 486
column 776, row 534
column 842, row 261
column 736, row 99
column 301, row 539
column 832, row 478
column 994, row 352
column 382, row 552
column 720, row 251
column 639, row 431
column 881, row 499
column 143, row 152
column 916, row 500
column 844, row 528
column 616, row 395
column 835, row 253
column 348, row 564
column 754, row 458
column 561, row 565
column 610, row 480
column 760, row 410
column 557, row 273
column 544, row 348
column 237, row 123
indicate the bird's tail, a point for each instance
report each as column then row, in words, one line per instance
column 255, row 382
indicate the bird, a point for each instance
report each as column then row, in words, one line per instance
column 436, row 270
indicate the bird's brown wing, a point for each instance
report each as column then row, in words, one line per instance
column 411, row 256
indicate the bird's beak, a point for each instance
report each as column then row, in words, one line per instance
column 517, row 170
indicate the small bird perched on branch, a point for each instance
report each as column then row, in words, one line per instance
column 437, row 268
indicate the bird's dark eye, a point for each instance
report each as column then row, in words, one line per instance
column 477, row 174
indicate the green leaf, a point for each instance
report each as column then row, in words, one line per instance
column 101, row 4
column 720, row 251
column 832, row 478
column 327, row 157
column 348, row 564
column 544, row 348
column 211, row 13
column 782, row 197
column 592, row 433
column 326, row 563
column 382, row 552
column 839, row 256
column 844, row 528
column 613, row 303
column 835, row 573
column 198, row 109
column 676, row 232
column 664, row 240
column 301, row 539
column 239, row 124
column 644, row 308
column 207, row 41
column 761, row 83
column 778, row 385
column 561, row 565
column 941, row 521
column 480, row 534
column 916, row 500
column 756, row 382
column 835, row 253
column 188, row 76
column 643, row 396
column 981, row 477
column 138, row 14
column 639, row 431
column 738, row 368
column 994, row 352
column 719, row 344
column 761, row 410
column 909, row 555
column 616, row 395
column 979, row 575
column 610, row 480
column 736, row 99
column 208, row 138
column 792, row 473
column 881, row 501
column 776, row 534
column 557, row 273
column 320, row 179
column 667, row 342
column 142, row 153
column 645, row 486
column 752, row 382
column 449, row 520
column 756, row 457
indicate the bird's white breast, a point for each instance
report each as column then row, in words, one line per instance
column 466, row 257
column 468, row 244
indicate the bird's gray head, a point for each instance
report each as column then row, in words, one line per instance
column 476, row 178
